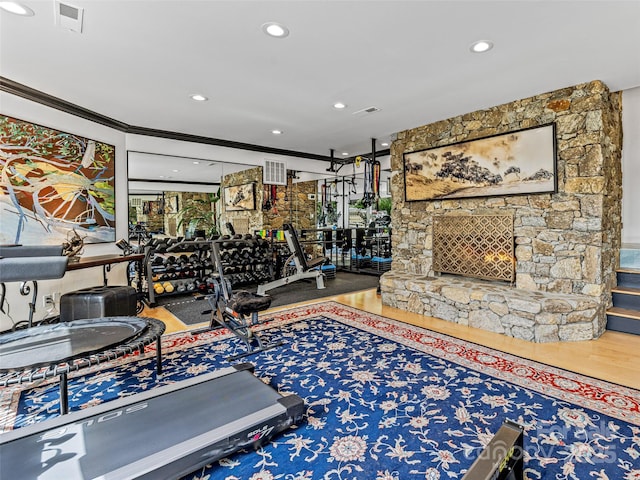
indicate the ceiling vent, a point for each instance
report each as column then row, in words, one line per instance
column 366, row 111
column 69, row 17
column 274, row 173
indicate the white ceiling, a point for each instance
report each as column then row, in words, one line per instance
column 137, row 61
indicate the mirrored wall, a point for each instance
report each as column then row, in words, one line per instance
column 181, row 196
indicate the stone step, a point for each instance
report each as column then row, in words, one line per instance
column 628, row 277
column 623, row 320
column 626, row 298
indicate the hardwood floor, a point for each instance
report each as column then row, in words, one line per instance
column 614, row 357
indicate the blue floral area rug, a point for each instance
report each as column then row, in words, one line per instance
column 385, row 400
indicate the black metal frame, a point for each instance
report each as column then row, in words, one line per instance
column 225, row 313
column 152, row 333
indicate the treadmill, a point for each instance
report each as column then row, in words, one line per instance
column 167, row 432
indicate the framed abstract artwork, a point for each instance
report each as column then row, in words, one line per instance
column 53, row 185
column 514, row 163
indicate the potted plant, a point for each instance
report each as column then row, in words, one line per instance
column 200, row 214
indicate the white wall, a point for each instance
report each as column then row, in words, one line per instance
column 631, row 166
column 33, row 112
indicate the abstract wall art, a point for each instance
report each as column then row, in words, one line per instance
column 54, row 184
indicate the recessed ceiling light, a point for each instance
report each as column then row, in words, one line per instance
column 339, row 105
column 481, row 46
column 384, row 144
column 160, row 176
column 344, row 154
column 276, row 132
column 196, row 163
column 199, row 98
column 175, row 171
column 17, row 8
column 276, row 30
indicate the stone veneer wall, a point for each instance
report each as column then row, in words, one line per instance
column 567, row 243
column 252, row 175
column 293, row 207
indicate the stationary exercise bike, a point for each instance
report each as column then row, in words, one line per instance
column 236, row 311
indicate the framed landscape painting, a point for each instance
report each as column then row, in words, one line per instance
column 240, row 197
column 54, row 185
column 514, row 163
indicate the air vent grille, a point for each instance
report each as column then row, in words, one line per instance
column 274, row 173
column 69, row 17
column 366, row 111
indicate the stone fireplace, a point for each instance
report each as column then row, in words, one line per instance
column 566, row 243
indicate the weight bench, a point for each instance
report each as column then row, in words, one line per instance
column 303, row 269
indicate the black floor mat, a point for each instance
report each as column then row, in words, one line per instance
column 189, row 311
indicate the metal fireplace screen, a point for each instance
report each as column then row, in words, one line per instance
column 478, row 246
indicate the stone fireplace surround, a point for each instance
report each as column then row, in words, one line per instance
column 567, row 243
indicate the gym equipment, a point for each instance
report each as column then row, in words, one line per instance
column 502, row 458
column 28, row 264
column 166, row 432
column 303, row 269
column 97, row 302
column 173, row 262
column 236, row 311
column 47, row 351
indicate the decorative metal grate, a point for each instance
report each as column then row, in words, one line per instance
column 480, row 246
column 240, row 225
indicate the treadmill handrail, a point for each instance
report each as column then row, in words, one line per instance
column 79, row 415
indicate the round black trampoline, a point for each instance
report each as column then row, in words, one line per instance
column 48, row 351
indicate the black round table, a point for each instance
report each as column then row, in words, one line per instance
column 47, row 351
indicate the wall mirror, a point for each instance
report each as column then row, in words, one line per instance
column 163, row 188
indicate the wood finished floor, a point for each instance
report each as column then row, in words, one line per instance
column 614, row 357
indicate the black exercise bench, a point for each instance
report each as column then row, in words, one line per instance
column 303, row 268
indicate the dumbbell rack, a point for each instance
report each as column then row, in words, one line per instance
column 246, row 259
column 177, row 267
column 189, row 267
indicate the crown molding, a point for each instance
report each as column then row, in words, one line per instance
column 20, row 90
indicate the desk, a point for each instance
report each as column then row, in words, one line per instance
column 47, row 351
column 105, row 261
